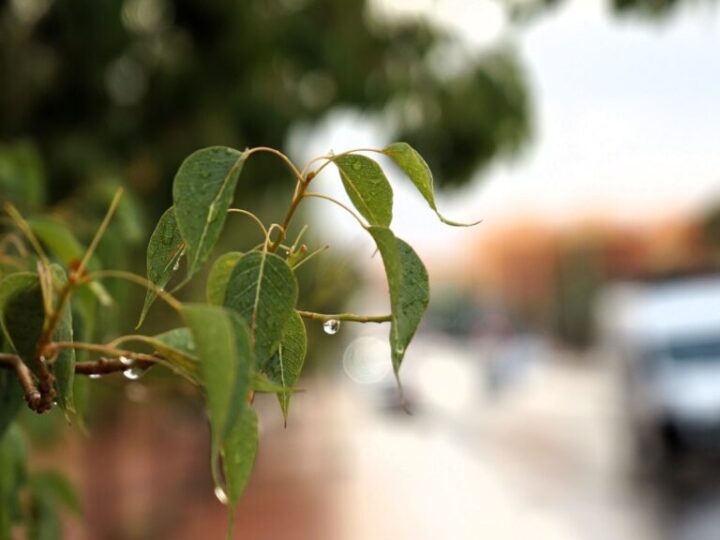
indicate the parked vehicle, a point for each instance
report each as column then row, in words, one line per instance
column 666, row 338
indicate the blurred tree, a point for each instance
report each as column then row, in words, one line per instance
column 133, row 86
column 528, row 9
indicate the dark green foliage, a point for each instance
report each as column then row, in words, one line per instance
column 164, row 251
column 263, row 289
column 409, row 290
column 367, row 187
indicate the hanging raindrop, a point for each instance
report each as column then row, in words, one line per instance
column 133, row 373
column 125, row 361
column 331, row 326
column 221, row 495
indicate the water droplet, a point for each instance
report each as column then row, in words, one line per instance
column 176, row 265
column 95, row 375
column 399, row 349
column 356, row 165
column 212, row 213
column 125, row 361
column 221, row 495
column 331, row 326
column 133, row 373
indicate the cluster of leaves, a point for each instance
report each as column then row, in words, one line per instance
column 248, row 336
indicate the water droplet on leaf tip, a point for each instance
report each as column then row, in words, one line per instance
column 133, row 374
column 125, row 361
column 221, row 495
column 331, row 326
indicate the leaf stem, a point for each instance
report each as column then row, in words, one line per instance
column 251, row 216
column 282, row 156
column 300, row 187
column 103, row 349
column 310, row 256
column 315, row 195
column 345, row 317
column 99, row 233
column 165, row 296
column 32, row 396
column 104, row 366
column 24, row 227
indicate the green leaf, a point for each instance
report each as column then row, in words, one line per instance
column 202, row 193
column 63, row 244
column 64, row 365
column 415, row 167
column 22, row 316
column 22, row 313
column 239, row 453
column 219, row 276
column 367, row 187
column 286, row 364
column 263, row 289
column 58, row 239
column 177, row 346
column 164, row 251
column 409, row 290
column 222, row 340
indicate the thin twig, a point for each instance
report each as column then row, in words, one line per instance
column 345, row 317
column 314, row 195
column 282, row 156
column 100, row 232
column 310, row 256
column 32, row 395
column 252, row 216
column 134, row 278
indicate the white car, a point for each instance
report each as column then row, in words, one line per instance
column 666, row 337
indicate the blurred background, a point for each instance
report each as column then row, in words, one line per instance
column 565, row 383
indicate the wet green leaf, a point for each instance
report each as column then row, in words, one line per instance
column 178, row 348
column 223, row 347
column 367, row 187
column 409, row 290
column 164, row 252
column 22, row 313
column 202, row 193
column 286, row 364
column 239, row 453
column 59, row 240
column 64, row 365
column 263, row 289
column 414, row 166
column 219, row 276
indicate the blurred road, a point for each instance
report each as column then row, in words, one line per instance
column 538, row 459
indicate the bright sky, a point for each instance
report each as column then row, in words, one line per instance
column 627, row 121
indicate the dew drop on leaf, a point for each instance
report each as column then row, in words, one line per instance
column 176, row 265
column 331, row 326
column 356, row 165
column 221, row 495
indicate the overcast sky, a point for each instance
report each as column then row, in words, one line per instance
column 627, row 121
